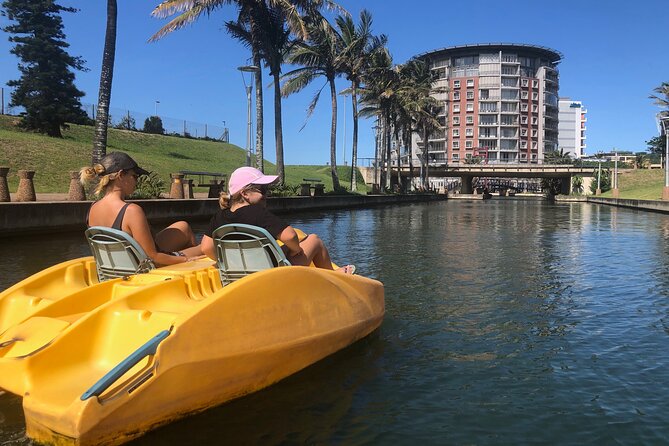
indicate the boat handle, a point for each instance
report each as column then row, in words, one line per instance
column 148, row 349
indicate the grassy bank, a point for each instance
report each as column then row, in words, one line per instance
column 640, row 184
column 54, row 158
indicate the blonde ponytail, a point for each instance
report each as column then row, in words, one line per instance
column 90, row 174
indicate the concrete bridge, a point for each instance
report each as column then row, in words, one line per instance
column 467, row 172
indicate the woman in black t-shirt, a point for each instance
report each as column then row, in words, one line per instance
column 245, row 203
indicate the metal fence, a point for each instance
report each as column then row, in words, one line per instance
column 134, row 120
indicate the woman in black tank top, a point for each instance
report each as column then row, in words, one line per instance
column 117, row 175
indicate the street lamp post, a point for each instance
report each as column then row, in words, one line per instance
column 248, row 69
column 615, row 177
column 156, row 108
column 599, row 179
column 664, row 120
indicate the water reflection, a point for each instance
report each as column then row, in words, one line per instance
column 506, row 322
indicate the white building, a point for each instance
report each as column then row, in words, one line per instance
column 571, row 127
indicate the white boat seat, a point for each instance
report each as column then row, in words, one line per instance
column 116, row 253
column 245, row 249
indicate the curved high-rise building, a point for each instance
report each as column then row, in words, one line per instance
column 500, row 102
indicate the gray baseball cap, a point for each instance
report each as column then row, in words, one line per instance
column 118, row 161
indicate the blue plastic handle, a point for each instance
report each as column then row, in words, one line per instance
column 148, row 349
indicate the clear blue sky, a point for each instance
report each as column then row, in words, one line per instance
column 615, row 53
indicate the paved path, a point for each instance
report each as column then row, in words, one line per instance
column 63, row 196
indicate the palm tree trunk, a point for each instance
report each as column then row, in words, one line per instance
column 426, row 153
column 260, row 159
column 333, row 137
column 396, row 134
column 106, row 76
column 407, row 139
column 354, row 150
column 278, row 129
column 389, row 169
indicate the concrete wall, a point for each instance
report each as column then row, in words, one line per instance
column 62, row 216
column 645, row 205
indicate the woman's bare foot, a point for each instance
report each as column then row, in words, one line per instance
column 348, row 269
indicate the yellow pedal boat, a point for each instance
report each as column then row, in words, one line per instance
column 112, row 360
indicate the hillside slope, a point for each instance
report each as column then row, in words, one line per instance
column 54, row 158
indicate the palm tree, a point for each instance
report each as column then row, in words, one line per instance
column 417, row 85
column 106, row 76
column 274, row 43
column 249, row 10
column 358, row 43
column 663, row 90
column 380, row 84
column 316, row 58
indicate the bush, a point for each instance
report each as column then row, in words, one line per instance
column 286, row 190
column 605, row 182
column 154, row 125
column 148, row 186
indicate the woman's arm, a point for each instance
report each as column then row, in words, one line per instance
column 138, row 228
column 207, row 246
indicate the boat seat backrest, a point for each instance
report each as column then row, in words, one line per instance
column 245, row 249
column 116, row 253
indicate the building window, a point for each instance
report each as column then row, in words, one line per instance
column 535, row 108
column 470, row 107
column 523, row 144
column 456, row 145
column 523, row 156
column 523, row 95
column 456, row 84
column 456, row 132
column 534, row 145
column 523, row 107
column 523, row 132
column 456, row 120
column 470, row 82
column 524, row 82
column 535, row 121
column 534, row 133
column 535, row 83
column 469, row 131
column 469, row 144
column 456, row 157
column 470, row 95
column 456, row 95
column 523, row 119
column 470, row 119
column 534, row 156
column 456, row 108
column 535, row 96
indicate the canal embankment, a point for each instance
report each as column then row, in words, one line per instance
column 62, row 216
column 642, row 205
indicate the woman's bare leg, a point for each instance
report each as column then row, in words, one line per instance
column 176, row 237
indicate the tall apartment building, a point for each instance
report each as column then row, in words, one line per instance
column 571, row 128
column 500, row 102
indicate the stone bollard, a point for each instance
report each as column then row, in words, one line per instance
column 76, row 192
column 177, row 188
column 215, row 187
column 26, row 190
column 188, row 188
column 4, row 188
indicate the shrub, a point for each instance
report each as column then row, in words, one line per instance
column 148, row 186
column 153, row 124
column 286, row 190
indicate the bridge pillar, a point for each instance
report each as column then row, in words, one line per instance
column 467, row 185
column 565, row 187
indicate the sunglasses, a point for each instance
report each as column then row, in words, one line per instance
column 262, row 189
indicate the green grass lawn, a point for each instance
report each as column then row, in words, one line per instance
column 640, row 184
column 54, row 158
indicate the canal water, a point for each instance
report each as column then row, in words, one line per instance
column 507, row 322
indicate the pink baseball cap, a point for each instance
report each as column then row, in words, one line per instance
column 245, row 176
